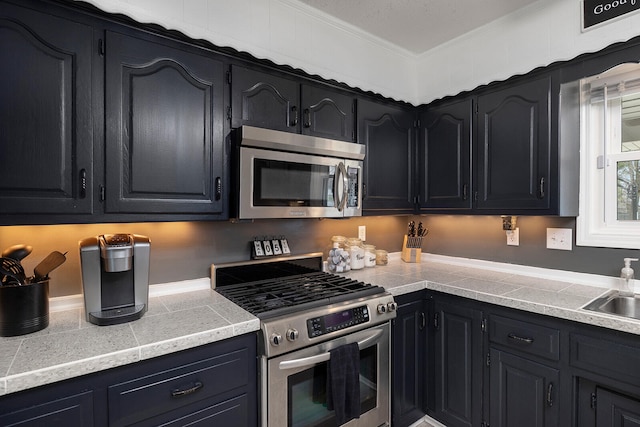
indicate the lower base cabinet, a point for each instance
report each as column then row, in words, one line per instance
column 214, row 384
column 409, row 360
column 458, row 344
column 478, row 364
column 523, row 392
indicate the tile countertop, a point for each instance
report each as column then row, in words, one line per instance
column 71, row 347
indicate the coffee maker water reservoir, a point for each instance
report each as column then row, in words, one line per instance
column 115, row 277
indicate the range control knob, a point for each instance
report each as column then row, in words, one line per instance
column 382, row 308
column 392, row 306
column 276, row 339
column 292, row 334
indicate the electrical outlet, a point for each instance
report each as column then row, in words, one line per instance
column 362, row 232
column 513, row 237
column 559, row 238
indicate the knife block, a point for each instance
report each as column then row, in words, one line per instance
column 411, row 249
column 24, row 309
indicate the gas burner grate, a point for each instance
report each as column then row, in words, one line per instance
column 278, row 296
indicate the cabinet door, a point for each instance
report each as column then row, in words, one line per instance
column 514, row 147
column 264, row 100
column 458, row 364
column 409, row 363
column 46, row 141
column 328, row 114
column 445, row 157
column 76, row 410
column 616, row 410
column 523, row 393
column 164, row 146
column 389, row 134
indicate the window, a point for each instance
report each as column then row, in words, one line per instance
column 610, row 159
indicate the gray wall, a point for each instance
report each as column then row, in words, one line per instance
column 185, row 250
column 482, row 237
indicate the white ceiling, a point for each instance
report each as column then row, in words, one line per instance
column 417, row 25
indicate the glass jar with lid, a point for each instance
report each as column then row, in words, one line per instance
column 369, row 255
column 382, row 257
column 339, row 259
column 356, row 251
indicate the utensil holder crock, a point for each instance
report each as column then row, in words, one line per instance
column 24, row 309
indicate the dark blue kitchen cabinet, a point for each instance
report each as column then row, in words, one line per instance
column 458, row 355
column 445, row 181
column 46, row 138
column 55, row 411
column 409, row 364
column 214, row 384
column 514, row 148
column 280, row 102
column 389, row 133
column 165, row 149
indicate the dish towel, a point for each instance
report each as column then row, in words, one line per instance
column 343, row 382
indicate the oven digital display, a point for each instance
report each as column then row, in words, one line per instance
column 336, row 321
column 337, row 318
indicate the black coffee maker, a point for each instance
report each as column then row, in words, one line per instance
column 115, row 277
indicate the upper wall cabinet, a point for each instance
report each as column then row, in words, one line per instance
column 514, row 147
column 388, row 131
column 270, row 101
column 46, row 138
column 164, row 128
column 445, row 155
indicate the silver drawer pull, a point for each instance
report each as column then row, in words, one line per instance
column 522, row 340
column 183, row 392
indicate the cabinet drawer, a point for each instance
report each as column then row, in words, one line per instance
column 525, row 337
column 618, row 360
column 149, row 396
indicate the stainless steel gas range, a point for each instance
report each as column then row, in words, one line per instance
column 307, row 317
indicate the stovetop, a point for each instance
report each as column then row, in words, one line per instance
column 290, row 294
column 279, row 286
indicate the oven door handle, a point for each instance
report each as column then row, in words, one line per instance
column 323, row 357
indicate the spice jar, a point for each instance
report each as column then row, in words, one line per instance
column 369, row 255
column 356, row 251
column 382, row 257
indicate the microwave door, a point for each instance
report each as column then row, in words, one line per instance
column 276, row 184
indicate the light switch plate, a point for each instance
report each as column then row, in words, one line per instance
column 362, row 232
column 559, row 238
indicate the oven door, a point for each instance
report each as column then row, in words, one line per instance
column 277, row 184
column 295, row 383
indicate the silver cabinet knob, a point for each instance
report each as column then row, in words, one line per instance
column 292, row 334
column 276, row 339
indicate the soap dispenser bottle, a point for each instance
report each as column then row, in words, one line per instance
column 626, row 276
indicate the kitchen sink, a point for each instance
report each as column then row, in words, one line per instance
column 614, row 303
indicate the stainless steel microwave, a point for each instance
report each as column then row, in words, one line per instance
column 285, row 175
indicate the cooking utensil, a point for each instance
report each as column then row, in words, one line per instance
column 17, row 252
column 11, row 268
column 54, row 260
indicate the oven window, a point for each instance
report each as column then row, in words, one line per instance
column 278, row 183
column 307, row 392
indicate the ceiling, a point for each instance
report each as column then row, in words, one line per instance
column 417, row 25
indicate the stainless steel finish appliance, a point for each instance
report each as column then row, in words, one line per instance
column 115, row 277
column 306, row 313
column 286, row 175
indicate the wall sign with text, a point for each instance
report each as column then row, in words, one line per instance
column 596, row 12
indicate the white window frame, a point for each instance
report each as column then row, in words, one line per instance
column 597, row 223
